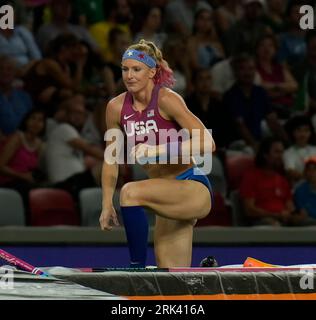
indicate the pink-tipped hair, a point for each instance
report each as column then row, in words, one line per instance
column 164, row 75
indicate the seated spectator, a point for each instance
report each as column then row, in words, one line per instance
column 302, row 135
column 249, row 105
column 150, row 28
column 173, row 49
column 292, row 46
column 204, row 47
column 51, row 80
column 61, row 12
column 274, row 16
column 305, row 74
column 179, row 17
column 223, row 76
column 275, row 78
column 305, row 193
column 19, row 44
column 97, row 79
column 19, row 158
column 14, row 103
column 264, row 190
column 118, row 15
column 65, row 154
column 94, row 127
column 243, row 36
column 227, row 14
column 89, row 12
column 119, row 42
column 60, row 116
column 21, row 11
column 209, row 110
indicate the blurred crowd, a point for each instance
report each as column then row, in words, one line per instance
column 244, row 67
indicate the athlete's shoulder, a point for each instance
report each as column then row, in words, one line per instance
column 168, row 98
column 114, row 109
column 116, row 103
column 118, row 100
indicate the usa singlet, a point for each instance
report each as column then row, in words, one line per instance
column 147, row 126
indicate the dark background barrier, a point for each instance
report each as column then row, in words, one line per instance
column 90, row 247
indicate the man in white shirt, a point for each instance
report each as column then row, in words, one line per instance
column 301, row 133
column 66, row 150
column 223, row 76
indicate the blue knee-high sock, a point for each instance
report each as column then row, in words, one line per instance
column 136, row 228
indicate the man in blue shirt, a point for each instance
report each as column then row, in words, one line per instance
column 292, row 46
column 14, row 103
column 19, row 44
column 249, row 104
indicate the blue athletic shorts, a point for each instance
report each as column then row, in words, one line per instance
column 199, row 176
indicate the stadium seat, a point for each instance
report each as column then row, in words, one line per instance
column 219, row 215
column 12, row 208
column 238, row 215
column 217, row 176
column 90, row 206
column 236, row 166
column 51, row 207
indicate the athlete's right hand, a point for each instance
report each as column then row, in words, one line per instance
column 108, row 218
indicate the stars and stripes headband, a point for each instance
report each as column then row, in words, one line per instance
column 139, row 56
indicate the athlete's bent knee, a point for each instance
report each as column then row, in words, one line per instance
column 130, row 195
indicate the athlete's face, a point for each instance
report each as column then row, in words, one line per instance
column 136, row 74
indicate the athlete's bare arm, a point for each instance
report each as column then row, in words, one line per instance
column 110, row 171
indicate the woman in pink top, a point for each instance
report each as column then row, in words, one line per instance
column 20, row 155
column 275, row 77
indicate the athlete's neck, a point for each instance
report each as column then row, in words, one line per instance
column 142, row 98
